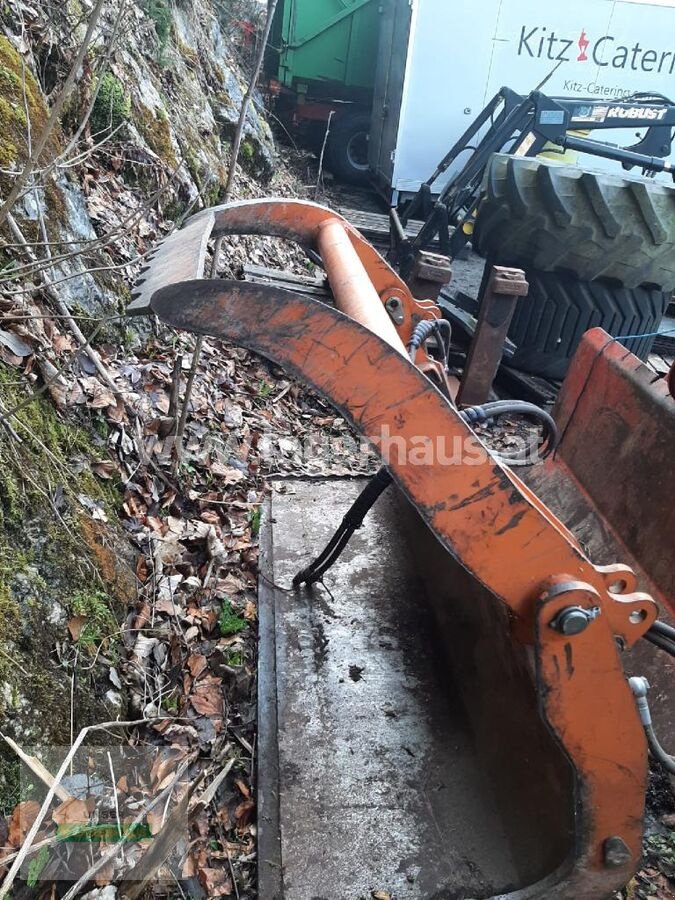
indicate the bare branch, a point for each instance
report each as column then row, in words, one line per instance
column 236, row 146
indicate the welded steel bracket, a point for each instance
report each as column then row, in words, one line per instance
column 497, row 306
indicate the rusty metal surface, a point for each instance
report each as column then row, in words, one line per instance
column 617, row 425
column 431, row 272
column 612, row 482
column 379, row 391
column 478, row 510
column 182, row 255
column 179, row 257
column 497, row 305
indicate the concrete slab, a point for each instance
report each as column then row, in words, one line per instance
column 368, row 778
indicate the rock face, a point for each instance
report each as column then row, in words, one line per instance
column 164, row 113
column 156, row 120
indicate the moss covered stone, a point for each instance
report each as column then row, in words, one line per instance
column 112, row 107
column 21, row 104
column 156, row 132
column 55, row 562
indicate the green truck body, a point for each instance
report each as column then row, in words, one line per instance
column 322, row 64
column 326, row 44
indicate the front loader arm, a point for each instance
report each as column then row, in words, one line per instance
column 477, row 508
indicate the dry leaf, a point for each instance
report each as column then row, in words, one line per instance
column 105, row 875
column 243, row 814
column 22, row 821
column 75, row 626
column 104, row 469
column 228, row 474
column 71, row 812
column 208, row 699
column 196, row 664
column 215, row 882
column 242, row 787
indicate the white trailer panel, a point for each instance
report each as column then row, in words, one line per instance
column 459, row 53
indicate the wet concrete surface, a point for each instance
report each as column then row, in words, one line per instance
column 369, row 779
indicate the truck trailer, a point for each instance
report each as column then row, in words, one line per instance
column 401, row 80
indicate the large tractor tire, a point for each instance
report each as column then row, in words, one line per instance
column 348, row 147
column 549, row 217
column 548, row 324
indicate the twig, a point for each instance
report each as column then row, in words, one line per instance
column 117, row 804
column 37, row 768
column 72, row 701
column 234, row 877
column 65, row 312
column 236, row 145
column 175, row 388
column 7, row 424
column 323, row 150
column 171, row 831
column 102, row 69
column 128, row 835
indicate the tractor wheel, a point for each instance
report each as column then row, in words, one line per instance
column 348, row 148
column 548, row 324
column 550, row 217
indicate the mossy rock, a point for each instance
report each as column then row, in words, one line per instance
column 55, row 562
column 21, row 104
column 112, row 106
column 156, row 132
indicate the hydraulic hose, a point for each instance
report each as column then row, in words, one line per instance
column 480, row 414
column 640, row 687
column 424, row 330
column 352, row 520
column 660, row 640
column 663, row 629
column 356, row 514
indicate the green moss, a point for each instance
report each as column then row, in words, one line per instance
column 101, row 623
column 55, row 561
column 47, row 446
column 234, row 658
column 55, row 203
column 187, row 53
column 156, row 132
column 112, row 107
column 212, row 193
column 10, row 622
column 21, row 102
column 160, row 13
column 229, row 622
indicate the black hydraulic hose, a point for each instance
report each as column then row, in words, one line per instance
column 480, row 414
column 356, row 514
column 663, row 629
column 661, row 641
column 352, row 520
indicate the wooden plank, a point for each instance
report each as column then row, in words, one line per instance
column 279, row 275
column 375, row 226
column 300, row 284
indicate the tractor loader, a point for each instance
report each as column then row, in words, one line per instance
column 466, row 707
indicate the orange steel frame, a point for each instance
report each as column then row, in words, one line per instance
column 482, row 513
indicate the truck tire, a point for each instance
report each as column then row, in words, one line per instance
column 348, row 148
column 549, row 217
column 548, row 324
